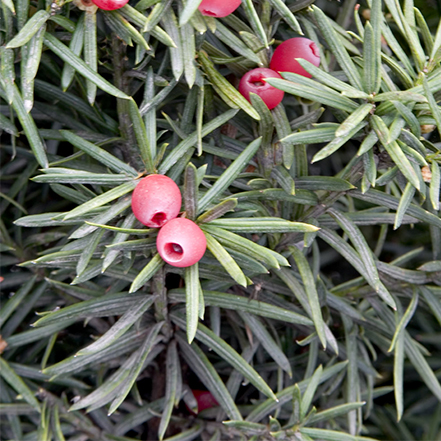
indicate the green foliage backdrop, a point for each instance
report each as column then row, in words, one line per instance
column 316, row 310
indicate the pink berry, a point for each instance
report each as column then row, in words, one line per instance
column 156, row 200
column 110, row 5
column 254, row 81
column 218, row 8
column 181, row 242
column 284, row 58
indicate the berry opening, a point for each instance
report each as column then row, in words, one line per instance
column 159, row 218
column 208, row 12
column 258, row 83
column 314, row 49
column 173, row 251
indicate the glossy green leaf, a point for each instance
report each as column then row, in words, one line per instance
column 206, row 373
column 394, row 151
column 192, row 290
column 337, row 48
column 267, row 341
column 80, row 66
column 109, row 389
column 82, row 178
column 225, row 259
column 99, row 154
column 336, row 143
column 436, row 112
column 353, row 120
column 143, row 353
column 360, row 244
column 225, row 90
column 409, row 117
column 129, row 30
column 311, row 292
column 404, row 96
column 262, row 225
column 383, row 199
column 147, row 273
column 229, row 175
column 90, row 53
column 9, row 306
column 331, row 435
column 131, row 14
column 126, row 344
column 141, row 137
column 88, row 251
column 230, row 301
column 405, row 201
column 170, row 24
column 120, row 327
column 30, row 129
column 231, row 40
column 189, row 9
column 172, row 366
column 110, row 304
column 188, row 53
column 180, row 150
column 284, row 396
column 310, row 391
column 353, row 258
column 76, row 46
column 217, row 344
column 287, row 15
column 29, row 30
column 102, row 199
column 18, row 384
column 254, row 20
column 435, row 185
column 336, row 411
column 294, row 85
column 241, row 244
column 104, row 216
column 404, row 320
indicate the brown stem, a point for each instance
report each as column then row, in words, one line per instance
column 122, row 82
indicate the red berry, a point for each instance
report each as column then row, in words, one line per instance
column 284, row 58
column 218, row 8
column 156, row 200
column 110, row 5
column 204, row 399
column 254, row 81
column 181, row 242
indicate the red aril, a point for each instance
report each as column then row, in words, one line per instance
column 181, row 242
column 254, row 81
column 218, row 8
column 284, row 58
column 156, row 200
column 110, row 5
column 204, row 399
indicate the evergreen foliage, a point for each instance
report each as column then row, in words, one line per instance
column 315, row 313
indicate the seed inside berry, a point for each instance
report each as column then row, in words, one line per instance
column 177, row 248
column 174, row 252
column 159, row 219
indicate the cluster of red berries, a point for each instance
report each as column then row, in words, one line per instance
column 213, row 8
column 110, row 5
column 283, row 60
column 156, row 203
